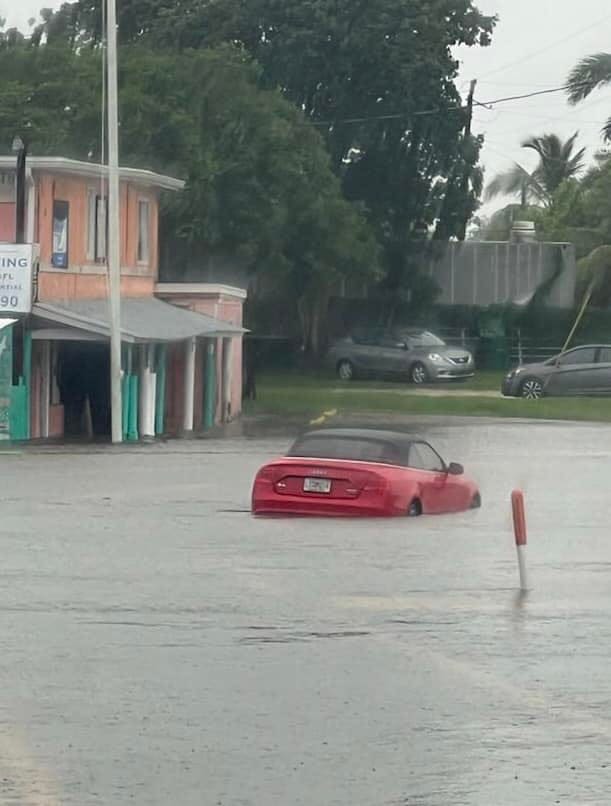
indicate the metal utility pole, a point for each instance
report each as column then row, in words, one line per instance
column 456, row 177
column 462, row 234
column 470, row 98
column 20, row 148
column 114, row 251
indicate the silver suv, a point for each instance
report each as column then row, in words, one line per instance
column 414, row 354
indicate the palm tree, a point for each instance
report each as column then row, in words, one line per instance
column 515, row 182
column 558, row 162
column 588, row 75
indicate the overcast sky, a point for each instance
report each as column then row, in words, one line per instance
column 535, row 44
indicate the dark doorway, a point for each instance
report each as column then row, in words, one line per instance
column 84, row 384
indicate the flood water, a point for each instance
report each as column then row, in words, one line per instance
column 160, row 646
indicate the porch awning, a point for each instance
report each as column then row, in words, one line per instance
column 142, row 319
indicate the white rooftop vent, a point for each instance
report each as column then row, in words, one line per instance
column 523, row 232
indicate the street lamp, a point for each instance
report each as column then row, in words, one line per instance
column 19, row 148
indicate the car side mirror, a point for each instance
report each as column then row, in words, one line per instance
column 454, row 469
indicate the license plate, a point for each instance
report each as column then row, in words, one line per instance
column 316, row 486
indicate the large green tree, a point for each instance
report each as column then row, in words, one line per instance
column 259, row 183
column 376, row 77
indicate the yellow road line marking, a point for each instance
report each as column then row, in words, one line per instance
column 324, row 416
column 318, row 421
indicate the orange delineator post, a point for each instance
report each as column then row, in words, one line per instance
column 519, row 529
column 519, row 517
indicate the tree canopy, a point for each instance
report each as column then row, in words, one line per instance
column 558, row 162
column 320, row 137
column 590, row 74
column 377, row 77
column 259, row 184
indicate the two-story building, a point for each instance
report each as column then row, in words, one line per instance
column 182, row 344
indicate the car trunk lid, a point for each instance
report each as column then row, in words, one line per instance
column 322, row 479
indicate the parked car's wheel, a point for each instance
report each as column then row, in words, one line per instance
column 531, row 388
column 476, row 501
column 418, row 373
column 345, row 370
column 414, row 509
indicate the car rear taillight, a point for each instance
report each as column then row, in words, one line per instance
column 269, row 474
column 375, row 484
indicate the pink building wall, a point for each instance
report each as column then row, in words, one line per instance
column 174, row 389
column 227, row 309
column 7, row 222
column 226, row 304
column 85, row 277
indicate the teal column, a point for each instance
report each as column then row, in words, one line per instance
column 15, row 419
column 210, row 384
column 131, row 407
column 132, row 424
column 17, row 410
column 160, row 389
column 124, row 389
column 27, row 379
column 124, row 403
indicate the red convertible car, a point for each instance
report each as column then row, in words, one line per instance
column 362, row 472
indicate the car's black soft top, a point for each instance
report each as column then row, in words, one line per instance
column 357, row 444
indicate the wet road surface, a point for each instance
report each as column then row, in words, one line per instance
column 160, row 646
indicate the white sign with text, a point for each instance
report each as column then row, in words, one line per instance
column 16, row 270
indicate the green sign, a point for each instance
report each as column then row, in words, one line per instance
column 6, row 377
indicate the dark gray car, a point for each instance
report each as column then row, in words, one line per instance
column 415, row 354
column 582, row 371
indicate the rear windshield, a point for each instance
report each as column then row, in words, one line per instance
column 362, row 450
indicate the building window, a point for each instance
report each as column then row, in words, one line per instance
column 91, row 224
column 7, row 187
column 143, row 231
column 97, row 224
column 101, row 226
column 59, row 257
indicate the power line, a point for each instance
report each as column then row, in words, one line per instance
column 525, row 95
column 552, row 119
column 510, row 84
column 397, row 116
column 549, row 47
column 441, row 110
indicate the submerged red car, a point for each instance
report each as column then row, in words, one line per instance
column 362, row 472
